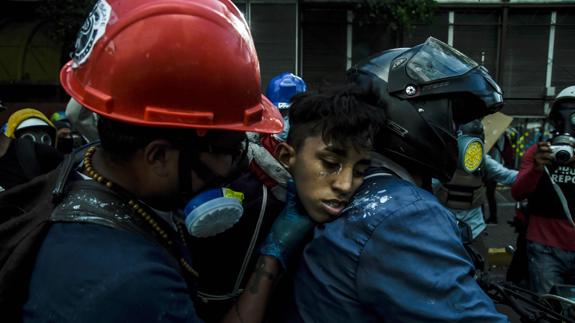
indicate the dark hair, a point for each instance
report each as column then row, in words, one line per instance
column 123, row 139
column 341, row 114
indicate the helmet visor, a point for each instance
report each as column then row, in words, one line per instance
column 436, row 60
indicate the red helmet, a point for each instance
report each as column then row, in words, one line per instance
column 170, row 63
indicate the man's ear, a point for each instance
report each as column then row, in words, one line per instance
column 285, row 154
column 159, row 155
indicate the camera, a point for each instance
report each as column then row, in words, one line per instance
column 561, row 148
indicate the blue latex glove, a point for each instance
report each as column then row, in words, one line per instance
column 288, row 230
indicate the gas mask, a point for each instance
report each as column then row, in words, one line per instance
column 36, row 134
column 217, row 208
column 470, row 153
column 470, row 143
column 213, row 212
column 562, row 117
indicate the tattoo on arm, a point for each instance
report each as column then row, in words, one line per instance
column 260, row 273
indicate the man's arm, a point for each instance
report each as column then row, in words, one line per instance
column 415, row 269
column 535, row 158
column 494, row 171
column 287, row 233
column 252, row 304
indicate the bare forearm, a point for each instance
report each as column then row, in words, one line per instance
column 251, row 306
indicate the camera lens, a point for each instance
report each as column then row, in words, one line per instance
column 562, row 156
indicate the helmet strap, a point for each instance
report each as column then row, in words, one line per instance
column 185, row 171
column 205, row 173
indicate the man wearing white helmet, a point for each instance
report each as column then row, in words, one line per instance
column 547, row 180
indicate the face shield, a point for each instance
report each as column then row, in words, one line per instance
column 437, row 69
column 437, row 61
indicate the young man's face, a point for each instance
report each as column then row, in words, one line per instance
column 326, row 176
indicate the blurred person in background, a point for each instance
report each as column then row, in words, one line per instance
column 26, row 148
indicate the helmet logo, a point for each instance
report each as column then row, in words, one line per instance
column 397, row 128
column 410, row 90
column 92, row 30
column 283, row 105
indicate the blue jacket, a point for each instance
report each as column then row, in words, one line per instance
column 93, row 273
column 395, row 255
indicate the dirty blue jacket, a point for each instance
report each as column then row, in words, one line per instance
column 395, row 255
column 92, row 273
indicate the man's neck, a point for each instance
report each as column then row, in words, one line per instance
column 119, row 173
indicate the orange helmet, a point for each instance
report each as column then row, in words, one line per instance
column 170, row 63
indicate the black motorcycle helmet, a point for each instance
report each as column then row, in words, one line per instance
column 562, row 114
column 426, row 91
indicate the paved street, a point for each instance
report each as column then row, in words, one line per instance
column 501, row 235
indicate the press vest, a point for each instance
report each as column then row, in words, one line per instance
column 544, row 200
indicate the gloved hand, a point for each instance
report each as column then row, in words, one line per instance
column 288, row 230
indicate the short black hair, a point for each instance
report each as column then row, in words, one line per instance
column 341, row 114
column 123, row 140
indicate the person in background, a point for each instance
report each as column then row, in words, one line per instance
column 280, row 91
column 64, row 137
column 464, row 194
column 83, row 121
column 502, row 153
column 547, row 180
column 26, row 149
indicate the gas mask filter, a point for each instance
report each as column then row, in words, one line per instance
column 213, row 212
column 470, row 153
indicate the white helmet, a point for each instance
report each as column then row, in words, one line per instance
column 562, row 114
column 566, row 93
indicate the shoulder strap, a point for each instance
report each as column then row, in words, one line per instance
column 26, row 153
column 87, row 201
column 90, row 202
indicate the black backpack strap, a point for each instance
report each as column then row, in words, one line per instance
column 90, row 202
column 68, row 165
column 26, row 154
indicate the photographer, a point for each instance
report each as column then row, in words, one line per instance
column 547, row 173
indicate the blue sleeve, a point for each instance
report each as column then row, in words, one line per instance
column 414, row 268
column 498, row 173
